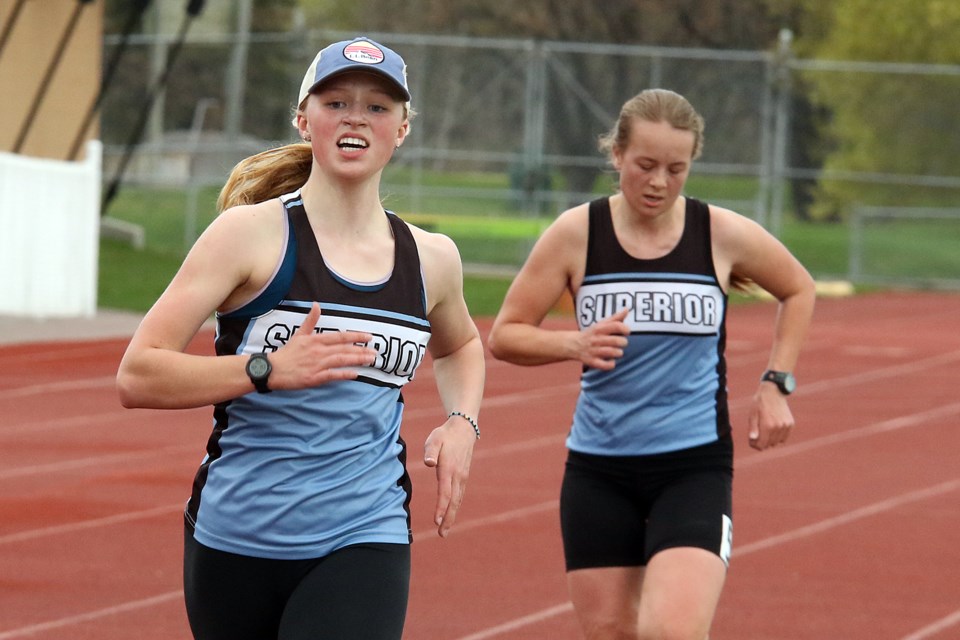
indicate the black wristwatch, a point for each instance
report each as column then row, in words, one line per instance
column 783, row 379
column 258, row 369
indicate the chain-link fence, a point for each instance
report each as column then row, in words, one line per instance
column 506, row 129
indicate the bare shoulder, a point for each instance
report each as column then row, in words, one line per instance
column 441, row 265
column 573, row 222
column 563, row 245
column 744, row 247
column 726, row 219
column 239, row 250
column 732, row 229
column 262, row 217
column 436, row 249
column 250, row 234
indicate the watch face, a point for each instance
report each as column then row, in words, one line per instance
column 258, row 367
column 789, row 383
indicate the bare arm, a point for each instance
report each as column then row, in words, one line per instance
column 744, row 247
column 232, row 259
column 555, row 265
column 458, row 363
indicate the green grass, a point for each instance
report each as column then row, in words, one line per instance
column 133, row 280
column 921, row 249
column 484, row 295
column 489, row 231
column 821, row 246
column 163, row 213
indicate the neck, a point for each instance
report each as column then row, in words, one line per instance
column 343, row 206
column 629, row 218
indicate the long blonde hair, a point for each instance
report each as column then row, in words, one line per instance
column 266, row 175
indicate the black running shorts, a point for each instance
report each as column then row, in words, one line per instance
column 618, row 511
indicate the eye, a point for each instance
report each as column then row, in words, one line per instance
column 336, row 104
column 379, row 108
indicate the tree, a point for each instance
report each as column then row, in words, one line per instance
column 886, row 123
column 582, row 86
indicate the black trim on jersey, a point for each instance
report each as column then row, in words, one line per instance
column 596, row 280
column 690, row 255
column 213, row 453
column 275, row 288
column 375, row 382
column 710, row 336
column 358, row 314
column 313, row 275
column 693, row 254
column 406, row 484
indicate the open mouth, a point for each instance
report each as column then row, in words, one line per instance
column 352, row 143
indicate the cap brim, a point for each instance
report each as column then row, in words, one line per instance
column 363, row 68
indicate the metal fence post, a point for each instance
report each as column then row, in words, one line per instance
column 533, row 127
column 781, row 131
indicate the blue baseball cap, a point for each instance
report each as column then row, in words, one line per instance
column 359, row 54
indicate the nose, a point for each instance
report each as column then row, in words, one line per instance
column 658, row 177
column 354, row 114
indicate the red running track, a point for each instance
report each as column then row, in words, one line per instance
column 850, row 531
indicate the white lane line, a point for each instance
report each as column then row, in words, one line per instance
column 46, row 388
column 802, row 532
column 94, row 461
column 70, row 621
column 849, row 516
column 766, row 543
column 508, row 449
column 67, row 422
column 120, row 518
column 936, row 627
column 519, row 623
column 476, row 523
column 893, row 424
column 509, row 399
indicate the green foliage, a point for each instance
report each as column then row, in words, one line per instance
column 894, row 31
column 888, row 123
column 334, row 14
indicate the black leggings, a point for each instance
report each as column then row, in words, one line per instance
column 359, row 591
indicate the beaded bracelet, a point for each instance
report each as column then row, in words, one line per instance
column 473, row 423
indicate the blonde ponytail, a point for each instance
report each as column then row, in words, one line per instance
column 266, row 175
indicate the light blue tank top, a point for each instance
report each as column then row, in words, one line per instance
column 299, row 474
column 668, row 391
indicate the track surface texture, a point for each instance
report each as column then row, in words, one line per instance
column 847, row 532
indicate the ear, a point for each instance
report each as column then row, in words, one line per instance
column 300, row 120
column 616, row 158
column 402, row 132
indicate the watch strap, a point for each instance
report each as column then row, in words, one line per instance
column 783, row 379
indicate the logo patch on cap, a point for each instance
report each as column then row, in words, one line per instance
column 363, row 52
